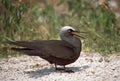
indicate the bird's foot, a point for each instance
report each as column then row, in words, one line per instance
column 59, row 69
column 68, row 71
column 65, row 70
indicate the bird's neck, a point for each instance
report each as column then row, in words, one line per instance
column 73, row 41
column 76, row 43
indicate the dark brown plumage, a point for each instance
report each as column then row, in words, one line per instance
column 58, row 52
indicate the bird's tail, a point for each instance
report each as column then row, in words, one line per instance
column 26, row 51
column 25, row 47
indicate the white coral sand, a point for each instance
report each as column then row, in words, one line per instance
column 89, row 67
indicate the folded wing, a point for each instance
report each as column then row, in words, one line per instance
column 45, row 49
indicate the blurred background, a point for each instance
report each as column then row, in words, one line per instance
column 42, row 19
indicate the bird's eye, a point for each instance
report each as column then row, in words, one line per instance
column 70, row 30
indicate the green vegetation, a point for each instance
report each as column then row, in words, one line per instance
column 24, row 22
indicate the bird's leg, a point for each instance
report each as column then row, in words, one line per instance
column 64, row 67
column 55, row 66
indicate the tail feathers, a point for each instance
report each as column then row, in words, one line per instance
column 26, row 51
column 21, row 43
column 17, row 49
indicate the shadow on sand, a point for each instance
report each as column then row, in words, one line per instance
column 47, row 71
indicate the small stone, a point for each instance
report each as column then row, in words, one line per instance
column 92, row 72
column 91, row 60
column 115, row 76
column 113, row 69
column 107, row 59
column 100, row 60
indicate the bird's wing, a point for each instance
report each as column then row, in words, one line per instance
column 60, row 49
column 56, row 48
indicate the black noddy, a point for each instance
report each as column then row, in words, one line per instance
column 59, row 52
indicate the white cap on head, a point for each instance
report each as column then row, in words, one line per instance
column 64, row 31
column 65, row 28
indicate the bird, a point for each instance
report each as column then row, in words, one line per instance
column 58, row 52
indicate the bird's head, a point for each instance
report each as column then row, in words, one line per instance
column 68, row 31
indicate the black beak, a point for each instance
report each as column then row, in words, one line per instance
column 77, row 33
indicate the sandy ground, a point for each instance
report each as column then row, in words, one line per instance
column 89, row 67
